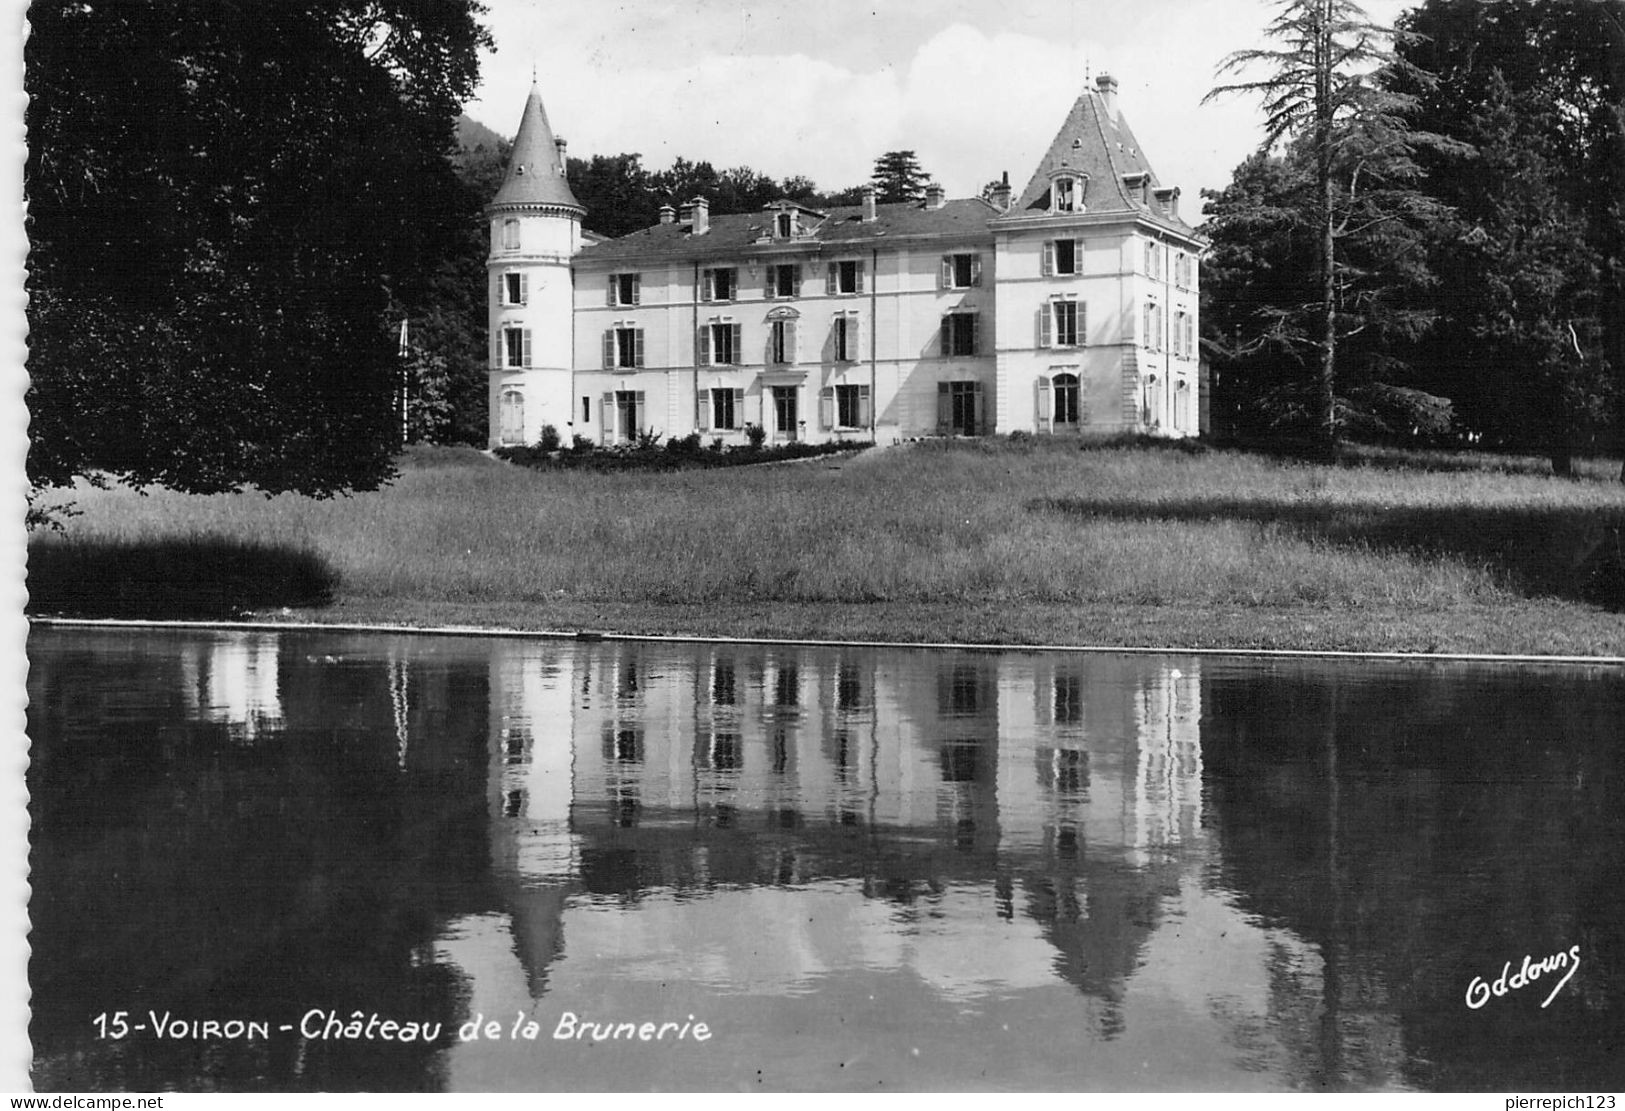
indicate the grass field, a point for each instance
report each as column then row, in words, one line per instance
column 1030, row 542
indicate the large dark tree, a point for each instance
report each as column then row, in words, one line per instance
column 1317, row 91
column 1533, row 342
column 227, row 202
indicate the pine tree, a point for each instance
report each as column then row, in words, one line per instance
column 1319, row 93
column 898, row 177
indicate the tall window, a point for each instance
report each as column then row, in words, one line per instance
column 845, row 338
column 844, row 406
column 1066, row 399
column 785, row 416
column 1068, row 323
column 720, row 344
column 510, row 234
column 961, row 271
column 623, row 347
column 1063, row 258
column 959, row 408
column 721, row 284
column 516, row 347
column 512, row 417
column 622, row 414
column 959, row 334
column 784, row 280
column 1153, row 326
column 721, row 409
column 844, row 277
column 515, row 287
column 781, row 342
column 624, row 289
column 1153, row 259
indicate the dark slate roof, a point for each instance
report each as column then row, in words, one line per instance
column 1099, row 143
column 535, row 171
column 839, row 228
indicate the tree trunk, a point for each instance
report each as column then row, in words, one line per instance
column 1325, row 393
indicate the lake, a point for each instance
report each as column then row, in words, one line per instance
column 305, row 860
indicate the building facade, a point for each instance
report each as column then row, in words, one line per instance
column 1067, row 309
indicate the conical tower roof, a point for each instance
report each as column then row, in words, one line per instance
column 536, row 168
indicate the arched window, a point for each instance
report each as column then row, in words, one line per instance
column 1066, row 195
column 1065, row 389
column 511, row 417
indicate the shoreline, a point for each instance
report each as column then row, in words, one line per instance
column 260, row 623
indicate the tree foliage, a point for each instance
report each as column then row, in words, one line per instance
column 1532, row 340
column 1354, row 143
column 225, row 201
column 898, row 177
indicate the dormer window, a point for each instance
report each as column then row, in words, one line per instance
column 1066, row 194
column 785, row 225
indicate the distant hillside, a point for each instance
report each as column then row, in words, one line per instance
column 472, row 136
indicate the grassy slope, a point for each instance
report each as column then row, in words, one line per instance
column 980, row 541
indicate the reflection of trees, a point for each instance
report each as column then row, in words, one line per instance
column 178, row 869
column 1433, row 855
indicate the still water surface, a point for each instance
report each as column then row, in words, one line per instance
column 859, row 869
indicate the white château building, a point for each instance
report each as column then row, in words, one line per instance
column 1067, row 308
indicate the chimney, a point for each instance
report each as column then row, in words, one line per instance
column 701, row 218
column 668, row 214
column 1001, row 195
column 935, row 196
column 869, row 213
column 1106, row 84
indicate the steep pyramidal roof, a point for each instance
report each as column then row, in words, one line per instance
column 536, row 168
column 1096, row 141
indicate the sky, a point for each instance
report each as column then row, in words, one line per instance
column 974, row 87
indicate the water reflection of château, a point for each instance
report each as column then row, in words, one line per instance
column 1059, row 794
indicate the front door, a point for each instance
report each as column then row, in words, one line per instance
column 785, row 418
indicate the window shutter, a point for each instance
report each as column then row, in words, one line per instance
column 945, row 409
column 609, row 293
column 976, row 333
column 863, row 406
column 1145, row 322
column 737, row 331
column 739, row 408
column 707, row 290
column 1043, row 401
column 790, row 341
column 976, row 270
column 524, row 289
column 854, row 345
column 606, row 416
column 1044, row 313
column 1083, row 323
column 1077, row 256
column 1048, row 268
column 702, row 410
column 947, row 334
column 496, row 349
column 830, row 278
column 826, row 407
column 609, row 347
column 770, row 282
column 858, row 287
column 947, row 271
column 703, row 345
column 637, row 289
column 979, row 408
column 637, row 412
column 524, row 345
column 795, row 284
column 637, row 348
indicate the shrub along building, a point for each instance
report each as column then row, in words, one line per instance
column 1068, row 308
